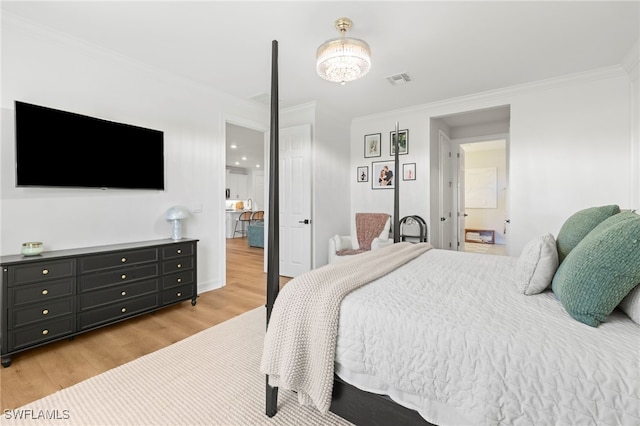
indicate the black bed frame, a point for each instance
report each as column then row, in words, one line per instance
column 348, row 402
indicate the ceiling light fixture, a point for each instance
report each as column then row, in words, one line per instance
column 343, row 59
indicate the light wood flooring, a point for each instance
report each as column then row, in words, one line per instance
column 39, row 372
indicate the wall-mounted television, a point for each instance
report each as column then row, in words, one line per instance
column 63, row 149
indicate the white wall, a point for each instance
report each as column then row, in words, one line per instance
column 569, row 149
column 45, row 68
column 413, row 194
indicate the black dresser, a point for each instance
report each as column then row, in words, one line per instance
column 59, row 294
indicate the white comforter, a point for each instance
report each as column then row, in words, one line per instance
column 449, row 335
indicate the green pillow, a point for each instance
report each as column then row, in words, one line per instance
column 579, row 225
column 601, row 270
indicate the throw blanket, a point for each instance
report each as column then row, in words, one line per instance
column 300, row 343
column 368, row 227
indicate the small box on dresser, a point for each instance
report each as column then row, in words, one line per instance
column 62, row 293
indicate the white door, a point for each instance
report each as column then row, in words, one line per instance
column 295, row 200
column 460, row 195
column 446, row 223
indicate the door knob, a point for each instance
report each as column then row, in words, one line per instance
column 306, row 221
column 442, row 219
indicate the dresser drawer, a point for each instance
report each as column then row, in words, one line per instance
column 116, row 311
column 119, row 276
column 178, row 250
column 178, row 279
column 97, row 298
column 177, row 294
column 29, row 336
column 44, row 311
column 114, row 260
column 41, row 271
column 179, row 264
column 40, row 292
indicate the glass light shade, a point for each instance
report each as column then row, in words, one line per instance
column 176, row 215
column 343, row 59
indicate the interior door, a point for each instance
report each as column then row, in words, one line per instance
column 446, row 226
column 295, row 200
column 460, row 196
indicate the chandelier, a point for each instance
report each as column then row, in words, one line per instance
column 343, row 59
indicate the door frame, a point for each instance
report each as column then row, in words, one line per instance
column 250, row 124
column 479, row 139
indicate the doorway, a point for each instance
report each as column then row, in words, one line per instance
column 469, row 196
column 485, row 196
column 244, row 185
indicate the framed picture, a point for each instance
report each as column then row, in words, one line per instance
column 403, row 142
column 362, row 174
column 372, row 145
column 409, row 171
column 383, row 175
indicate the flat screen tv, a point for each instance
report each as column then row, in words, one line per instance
column 62, row 149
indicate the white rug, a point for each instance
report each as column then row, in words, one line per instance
column 210, row 378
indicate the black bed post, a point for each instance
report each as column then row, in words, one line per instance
column 396, row 188
column 273, row 247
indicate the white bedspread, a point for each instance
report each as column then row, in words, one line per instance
column 449, row 335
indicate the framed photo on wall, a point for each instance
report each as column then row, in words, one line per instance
column 362, row 174
column 372, row 145
column 409, row 171
column 383, row 174
column 403, row 142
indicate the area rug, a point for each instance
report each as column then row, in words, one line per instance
column 210, row 378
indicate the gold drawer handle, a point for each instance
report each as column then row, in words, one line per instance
column 179, row 265
column 179, row 251
column 123, row 260
column 45, row 271
column 179, row 294
column 45, row 332
column 124, row 293
column 45, row 312
column 45, row 291
column 123, row 276
column 123, row 310
column 179, row 280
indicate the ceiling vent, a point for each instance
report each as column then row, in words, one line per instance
column 397, row 79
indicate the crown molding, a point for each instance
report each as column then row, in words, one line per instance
column 509, row 91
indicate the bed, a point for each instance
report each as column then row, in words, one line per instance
column 450, row 338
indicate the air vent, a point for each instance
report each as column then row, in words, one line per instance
column 397, row 79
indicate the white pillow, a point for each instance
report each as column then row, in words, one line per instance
column 630, row 305
column 537, row 264
column 338, row 242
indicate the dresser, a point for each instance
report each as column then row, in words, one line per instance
column 59, row 294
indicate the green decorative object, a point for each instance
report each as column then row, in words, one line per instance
column 577, row 226
column 601, row 270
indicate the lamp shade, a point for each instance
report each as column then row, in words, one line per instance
column 176, row 212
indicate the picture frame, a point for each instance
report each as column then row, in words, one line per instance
column 409, row 171
column 362, row 174
column 372, row 145
column 403, row 142
column 383, row 175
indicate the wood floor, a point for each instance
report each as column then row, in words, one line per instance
column 39, row 372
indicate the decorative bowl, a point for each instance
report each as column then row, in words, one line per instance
column 32, row 248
